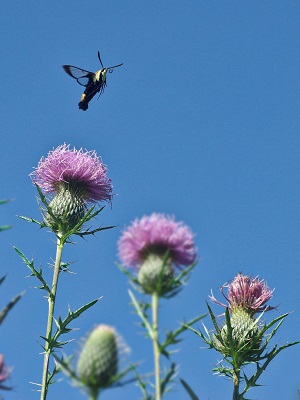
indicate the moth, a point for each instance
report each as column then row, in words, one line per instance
column 94, row 82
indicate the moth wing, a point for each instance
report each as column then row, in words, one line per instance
column 82, row 76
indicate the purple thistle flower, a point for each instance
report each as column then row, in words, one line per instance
column 157, row 234
column 4, row 372
column 74, row 178
column 249, row 294
column 79, row 171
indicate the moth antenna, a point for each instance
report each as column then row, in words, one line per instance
column 100, row 59
column 110, row 69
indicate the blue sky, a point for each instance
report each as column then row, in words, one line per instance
column 201, row 122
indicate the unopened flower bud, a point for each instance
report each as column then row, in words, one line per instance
column 155, row 275
column 244, row 339
column 98, row 360
column 67, row 209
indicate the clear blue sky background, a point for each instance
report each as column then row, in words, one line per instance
column 202, row 122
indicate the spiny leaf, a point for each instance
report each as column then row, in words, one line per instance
column 92, row 232
column 4, row 201
column 280, row 319
column 189, row 390
column 141, row 314
column 169, row 377
column 251, row 382
column 177, row 282
column 9, row 306
column 38, row 274
column 127, row 273
column 62, row 328
column 28, row 219
column 116, row 380
column 213, row 318
column 2, row 279
column 171, row 336
column 142, row 385
column 4, row 227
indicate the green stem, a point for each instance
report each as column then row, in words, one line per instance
column 156, row 350
column 51, row 304
column 236, row 383
column 94, row 394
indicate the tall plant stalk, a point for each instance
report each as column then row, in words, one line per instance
column 51, row 303
column 94, row 395
column 236, row 383
column 156, row 349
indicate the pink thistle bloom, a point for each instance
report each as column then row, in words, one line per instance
column 4, row 372
column 249, row 294
column 157, row 234
column 76, row 170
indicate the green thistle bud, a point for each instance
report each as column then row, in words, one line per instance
column 155, row 275
column 244, row 340
column 98, row 360
column 67, row 208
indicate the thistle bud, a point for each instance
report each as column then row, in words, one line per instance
column 244, row 338
column 154, row 275
column 67, row 209
column 246, row 296
column 98, row 360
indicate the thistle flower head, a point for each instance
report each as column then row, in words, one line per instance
column 154, row 245
column 4, row 372
column 73, row 178
column 243, row 338
column 249, row 294
column 80, row 171
column 157, row 234
column 98, row 361
column 240, row 337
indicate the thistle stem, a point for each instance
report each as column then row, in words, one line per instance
column 236, row 384
column 51, row 304
column 156, row 350
column 94, row 395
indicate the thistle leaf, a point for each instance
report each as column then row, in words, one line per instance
column 141, row 314
column 172, row 336
column 189, row 390
column 62, row 324
column 5, row 310
column 34, row 272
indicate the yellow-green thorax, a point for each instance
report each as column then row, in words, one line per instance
column 100, row 76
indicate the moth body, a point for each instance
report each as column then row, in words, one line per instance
column 94, row 82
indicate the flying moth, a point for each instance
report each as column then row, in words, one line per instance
column 94, row 82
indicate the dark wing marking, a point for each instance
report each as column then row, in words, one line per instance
column 82, row 76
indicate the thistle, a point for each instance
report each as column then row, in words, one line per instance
column 4, row 227
column 67, row 181
column 98, row 362
column 241, row 334
column 156, row 247
column 73, row 179
column 242, row 338
column 4, row 373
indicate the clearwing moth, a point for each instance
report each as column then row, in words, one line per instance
column 94, row 82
